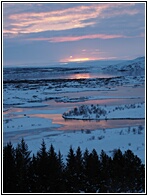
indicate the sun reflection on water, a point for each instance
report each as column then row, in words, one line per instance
column 80, row 76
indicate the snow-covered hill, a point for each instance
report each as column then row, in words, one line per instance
column 137, row 64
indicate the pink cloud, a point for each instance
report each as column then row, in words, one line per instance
column 54, row 20
column 77, row 38
column 69, row 18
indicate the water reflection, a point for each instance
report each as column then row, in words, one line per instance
column 68, row 105
column 80, row 76
column 121, row 91
column 71, row 125
column 89, row 75
column 12, row 110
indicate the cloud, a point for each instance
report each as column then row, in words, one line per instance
column 77, row 38
column 32, row 31
column 53, row 20
column 63, row 19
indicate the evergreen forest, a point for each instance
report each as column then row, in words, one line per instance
column 87, row 172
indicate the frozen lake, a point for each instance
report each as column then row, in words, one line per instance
column 35, row 99
column 53, row 110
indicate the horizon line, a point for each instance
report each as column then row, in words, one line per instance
column 67, row 62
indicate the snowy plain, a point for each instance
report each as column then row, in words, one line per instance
column 34, row 98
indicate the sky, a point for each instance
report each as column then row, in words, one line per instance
column 40, row 33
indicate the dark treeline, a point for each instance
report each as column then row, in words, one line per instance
column 85, row 172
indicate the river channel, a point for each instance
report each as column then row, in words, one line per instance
column 55, row 108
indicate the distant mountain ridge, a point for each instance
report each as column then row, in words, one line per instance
column 137, row 64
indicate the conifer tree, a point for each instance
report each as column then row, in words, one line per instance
column 70, row 173
column 86, row 159
column 134, row 173
column 105, row 172
column 33, row 175
column 61, row 177
column 54, row 171
column 42, row 169
column 91, row 171
column 9, row 169
column 79, row 170
column 22, row 165
column 60, row 160
column 95, row 170
column 118, row 181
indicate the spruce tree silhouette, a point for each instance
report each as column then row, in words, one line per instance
column 86, row 163
column 105, row 172
column 79, row 171
column 95, row 172
column 9, row 169
column 70, row 173
column 61, row 176
column 134, row 173
column 33, row 175
column 88, row 173
column 54, row 171
column 118, row 181
column 42, row 169
column 22, row 165
column 91, row 171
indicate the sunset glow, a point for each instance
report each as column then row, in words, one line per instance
column 83, row 59
column 78, row 59
column 72, row 32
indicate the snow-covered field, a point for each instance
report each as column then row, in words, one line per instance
column 34, row 100
column 132, row 138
